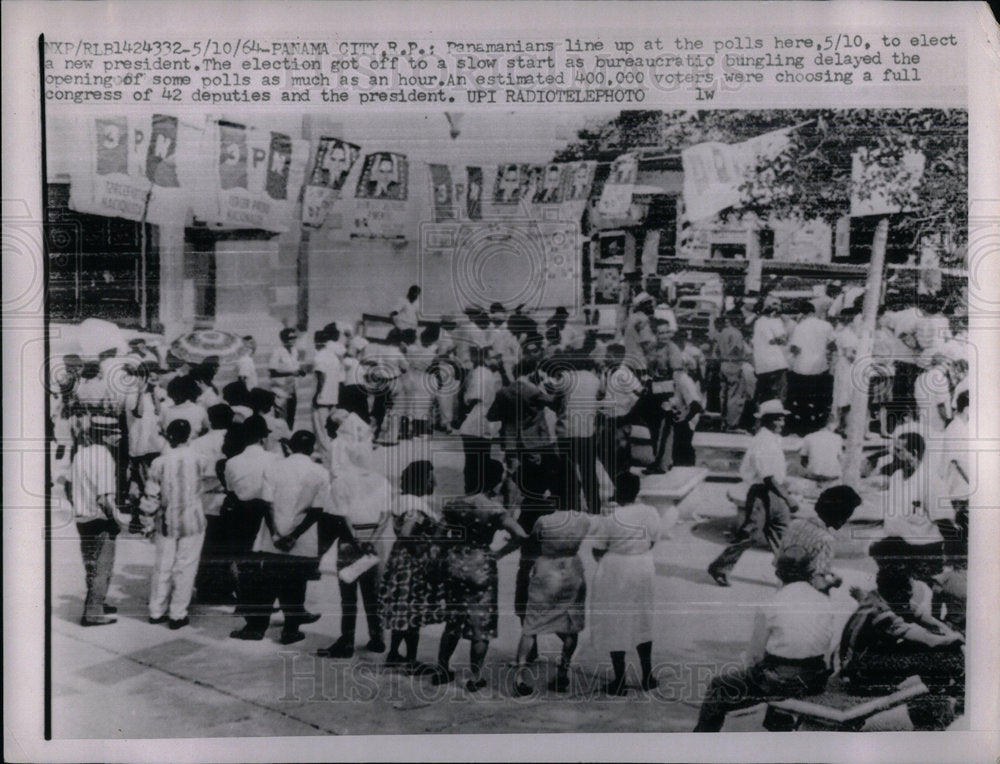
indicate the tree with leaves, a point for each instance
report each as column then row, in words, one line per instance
column 812, row 177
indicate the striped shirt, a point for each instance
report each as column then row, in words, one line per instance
column 91, row 476
column 175, row 479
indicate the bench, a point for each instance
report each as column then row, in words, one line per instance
column 836, row 708
column 666, row 492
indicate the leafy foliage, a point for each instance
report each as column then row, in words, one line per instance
column 812, row 177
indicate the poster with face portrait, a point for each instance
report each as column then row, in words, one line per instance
column 511, row 180
column 381, row 196
column 334, row 160
column 616, row 196
column 577, row 180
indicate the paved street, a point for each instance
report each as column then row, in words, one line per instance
column 136, row 680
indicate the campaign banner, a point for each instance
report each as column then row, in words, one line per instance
column 714, row 172
column 508, row 183
column 443, row 193
column 134, row 168
column 577, row 180
column 616, row 196
column 474, row 193
column 381, row 196
column 884, row 190
column 334, row 160
column 258, row 174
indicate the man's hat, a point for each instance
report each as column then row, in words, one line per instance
column 641, row 298
column 772, row 407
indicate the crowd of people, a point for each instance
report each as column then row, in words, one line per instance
column 242, row 503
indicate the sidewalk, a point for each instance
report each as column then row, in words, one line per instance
column 136, row 680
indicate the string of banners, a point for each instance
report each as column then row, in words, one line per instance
column 163, row 169
column 556, row 191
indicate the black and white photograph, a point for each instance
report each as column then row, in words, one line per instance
column 500, row 403
column 261, row 434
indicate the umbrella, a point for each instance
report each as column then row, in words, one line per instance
column 196, row 346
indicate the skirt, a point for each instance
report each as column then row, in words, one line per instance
column 471, row 607
column 621, row 601
column 557, row 595
column 412, row 591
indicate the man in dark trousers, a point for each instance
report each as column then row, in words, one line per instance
column 245, row 506
column 769, row 505
column 295, row 491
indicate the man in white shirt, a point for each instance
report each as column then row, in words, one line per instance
column 244, row 509
column 182, row 392
column 174, row 489
column 502, row 342
column 143, row 409
column 404, row 315
column 932, row 393
column 810, row 384
column 769, row 362
column 354, row 395
column 295, row 491
column 787, row 656
column 284, row 369
column 470, row 333
column 476, row 430
column 768, row 504
column 329, row 368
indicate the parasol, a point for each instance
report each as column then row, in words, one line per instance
column 97, row 335
column 196, row 346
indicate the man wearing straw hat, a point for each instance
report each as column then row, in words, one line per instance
column 768, row 504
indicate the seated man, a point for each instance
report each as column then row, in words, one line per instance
column 893, row 635
column 788, row 651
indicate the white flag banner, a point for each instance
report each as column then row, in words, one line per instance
column 138, row 168
column 112, row 182
column 886, row 187
column 257, row 178
column 714, row 171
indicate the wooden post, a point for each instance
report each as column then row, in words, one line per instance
column 857, row 418
column 302, row 279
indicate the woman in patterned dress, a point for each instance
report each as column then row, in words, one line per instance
column 412, row 595
column 471, row 566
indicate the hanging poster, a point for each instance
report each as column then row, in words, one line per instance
column 616, row 196
column 132, row 169
column 474, row 193
column 334, row 160
column 577, row 180
column 259, row 173
column 381, row 196
column 444, row 198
